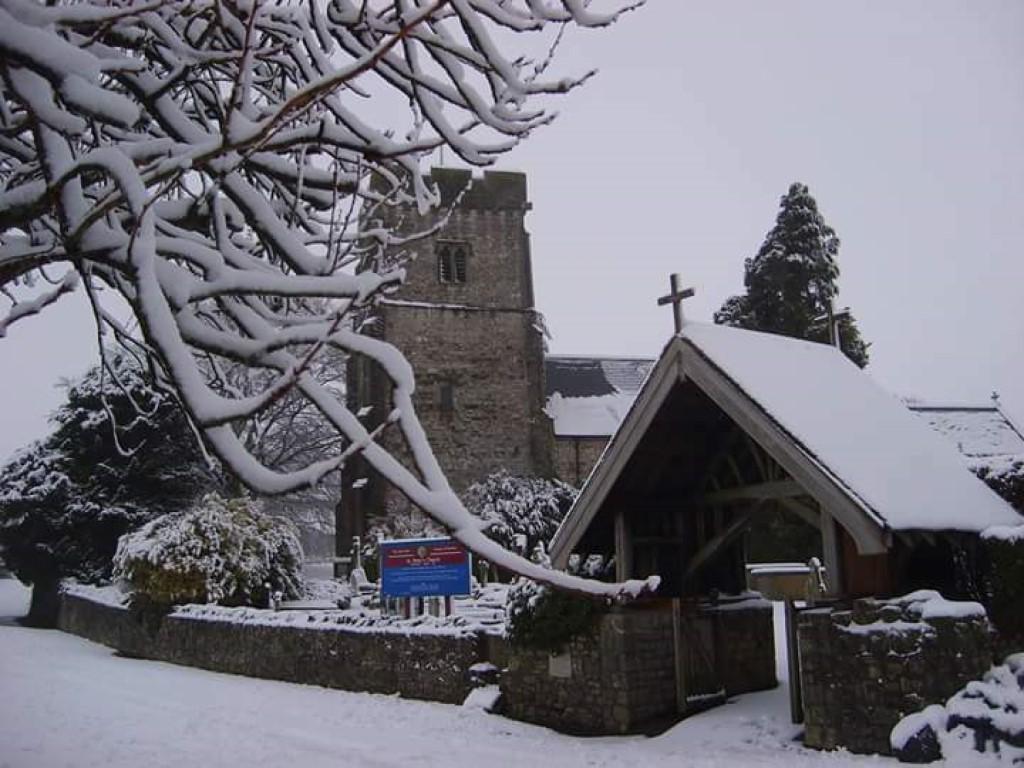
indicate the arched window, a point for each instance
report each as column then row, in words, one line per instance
column 452, row 258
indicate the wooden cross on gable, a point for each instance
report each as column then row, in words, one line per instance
column 675, row 298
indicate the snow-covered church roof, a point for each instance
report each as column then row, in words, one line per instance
column 589, row 396
column 856, row 446
column 978, row 431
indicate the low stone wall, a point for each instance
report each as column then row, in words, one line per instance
column 863, row 670
column 621, row 676
column 611, row 680
column 434, row 667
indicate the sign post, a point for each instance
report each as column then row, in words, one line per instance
column 419, row 568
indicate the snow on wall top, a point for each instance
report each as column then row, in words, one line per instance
column 903, row 472
column 976, row 430
column 589, row 396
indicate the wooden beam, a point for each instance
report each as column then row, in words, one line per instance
column 803, row 510
column 679, row 648
column 666, row 374
column 736, row 473
column 721, row 453
column 659, row 540
column 759, row 457
column 778, row 489
column 796, row 700
column 717, row 544
column 623, row 548
column 830, row 553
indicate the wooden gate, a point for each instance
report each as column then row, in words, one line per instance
column 698, row 682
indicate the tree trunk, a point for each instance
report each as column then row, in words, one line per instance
column 42, row 611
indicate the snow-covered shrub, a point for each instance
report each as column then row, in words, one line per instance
column 542, row 618
column 985, row 716
column 1005, row 476
column 222, row 551
column 592, row 566
column 520, row 512
column 1004, row 548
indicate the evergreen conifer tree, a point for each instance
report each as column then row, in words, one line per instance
column 65, row 500
column 791, row 281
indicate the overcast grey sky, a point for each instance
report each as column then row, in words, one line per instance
column 906, row 120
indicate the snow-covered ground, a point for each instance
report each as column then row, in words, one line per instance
column 68, row 702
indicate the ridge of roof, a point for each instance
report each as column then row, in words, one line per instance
column 622, row 358
column 941, row 406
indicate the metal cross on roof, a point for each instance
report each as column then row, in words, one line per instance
column 675, row 298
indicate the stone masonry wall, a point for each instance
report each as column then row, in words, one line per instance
column 490, row 361
column 576, row 456
column 417, row 666
column 609, row 681
column 864, row 669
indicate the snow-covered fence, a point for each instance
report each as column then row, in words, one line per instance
column 863, row 670
column 433, row 664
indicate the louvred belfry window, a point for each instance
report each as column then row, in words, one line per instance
column 452, row 258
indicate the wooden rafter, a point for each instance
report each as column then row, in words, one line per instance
column 735, row 469
column 721, row 454
column 759, row 458
column 719, row 542
column 776, row 489
column 806, row 512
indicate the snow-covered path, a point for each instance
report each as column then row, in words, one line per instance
column 67, row 702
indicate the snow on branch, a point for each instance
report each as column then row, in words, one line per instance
column 226, row 168
column 23, row 309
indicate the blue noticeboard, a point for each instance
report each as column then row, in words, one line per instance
column 424, row 568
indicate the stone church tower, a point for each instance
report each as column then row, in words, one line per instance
column 466, row 321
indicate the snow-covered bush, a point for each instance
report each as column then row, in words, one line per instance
column 222, row 551
column 1005, row 476
column 539, row 617
column 520, row 512
column 985, row 716
column 1004, row 601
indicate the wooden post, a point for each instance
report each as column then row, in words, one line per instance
column 623, row 548
column 830, row 551
column 796, row 704
column 680, row 654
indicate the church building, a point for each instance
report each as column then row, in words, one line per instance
column 487, row 395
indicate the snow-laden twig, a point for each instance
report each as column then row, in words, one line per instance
column 23, row 309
